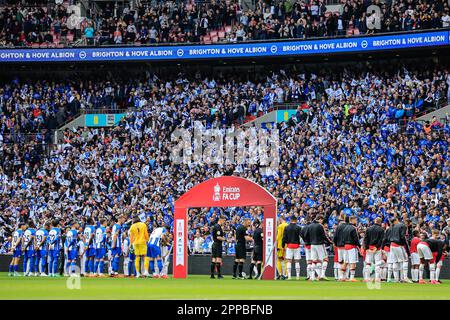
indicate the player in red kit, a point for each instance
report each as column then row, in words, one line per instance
column 373, row 241
column 415, row 260
column 439, row 264
column 352, row 247
column 430, row 251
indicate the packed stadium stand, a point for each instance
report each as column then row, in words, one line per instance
column 353, row 146
column 354, row 143
column 50, row 24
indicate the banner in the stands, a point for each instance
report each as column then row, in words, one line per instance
column 235, row 50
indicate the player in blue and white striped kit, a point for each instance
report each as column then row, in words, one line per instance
column 88, row 235
column 116, row 244
column 154, row 250
column 16, row 249
column 40, row 242
column 28, row 249
column 100, row 247
column 72, row 248
column 54, row 247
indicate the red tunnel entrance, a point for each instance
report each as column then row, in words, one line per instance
column 227, row 191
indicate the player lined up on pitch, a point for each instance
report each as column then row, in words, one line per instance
column 385, row 250
column 48, row 250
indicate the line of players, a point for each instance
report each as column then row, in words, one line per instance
column 48, row 250
column 386, row 252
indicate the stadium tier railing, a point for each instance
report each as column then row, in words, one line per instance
column 84, row 44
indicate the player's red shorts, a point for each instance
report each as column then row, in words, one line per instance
column 336, row 256
column 434, row 257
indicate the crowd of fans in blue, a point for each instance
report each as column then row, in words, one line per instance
column 189, row 21
column 353, row 147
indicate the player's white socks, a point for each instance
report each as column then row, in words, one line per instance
column 366, row 272
column 324, row 269
column 289, row 267
column 396, row 271
column 438, row 272
column 405, row 270
column 414, row 274
column 312, row 274
column 309, row 270
column 377, row 273
column 297, row 269
column 318, row 268
column 126, row 261
column 337, row 268
column 389, row 272
column 341, row 274
column 165, row 269
column 421, row 268
column 283, row 267
column 432, row 272
column 352, row 273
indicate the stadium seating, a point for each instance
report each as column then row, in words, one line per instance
column 299, row 21
column 363, row 135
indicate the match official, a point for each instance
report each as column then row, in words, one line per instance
column 257, row 256
column 241, row 238
column 216, row 252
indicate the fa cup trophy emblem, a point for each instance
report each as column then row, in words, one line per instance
column 216, row 196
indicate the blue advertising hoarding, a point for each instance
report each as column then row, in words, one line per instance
column 237, row 50
column 102, row 120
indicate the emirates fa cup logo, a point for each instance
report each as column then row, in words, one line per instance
column 216, row 196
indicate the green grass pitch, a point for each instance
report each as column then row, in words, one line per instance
column 201, row 287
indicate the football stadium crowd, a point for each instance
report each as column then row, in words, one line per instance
column 344, row 151
column 353, row 148
column 214, row 21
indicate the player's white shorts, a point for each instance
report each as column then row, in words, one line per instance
column 318, row 252
column 164, row 250
column 292, row 254
column 424, row 252
column 307, row 254
column 373, row 257
column 341, row 254
column 398, row 254
column 415, row 260
column 351, row 255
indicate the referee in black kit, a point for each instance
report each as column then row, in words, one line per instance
column 216, row 252
column 257, row 249
column 241, row 238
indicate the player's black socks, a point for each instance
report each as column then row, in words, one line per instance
column 235, row 265
column 250, row 270
column 258, row 267
column 213, row 266
column 241, row 267
column 218, row 268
